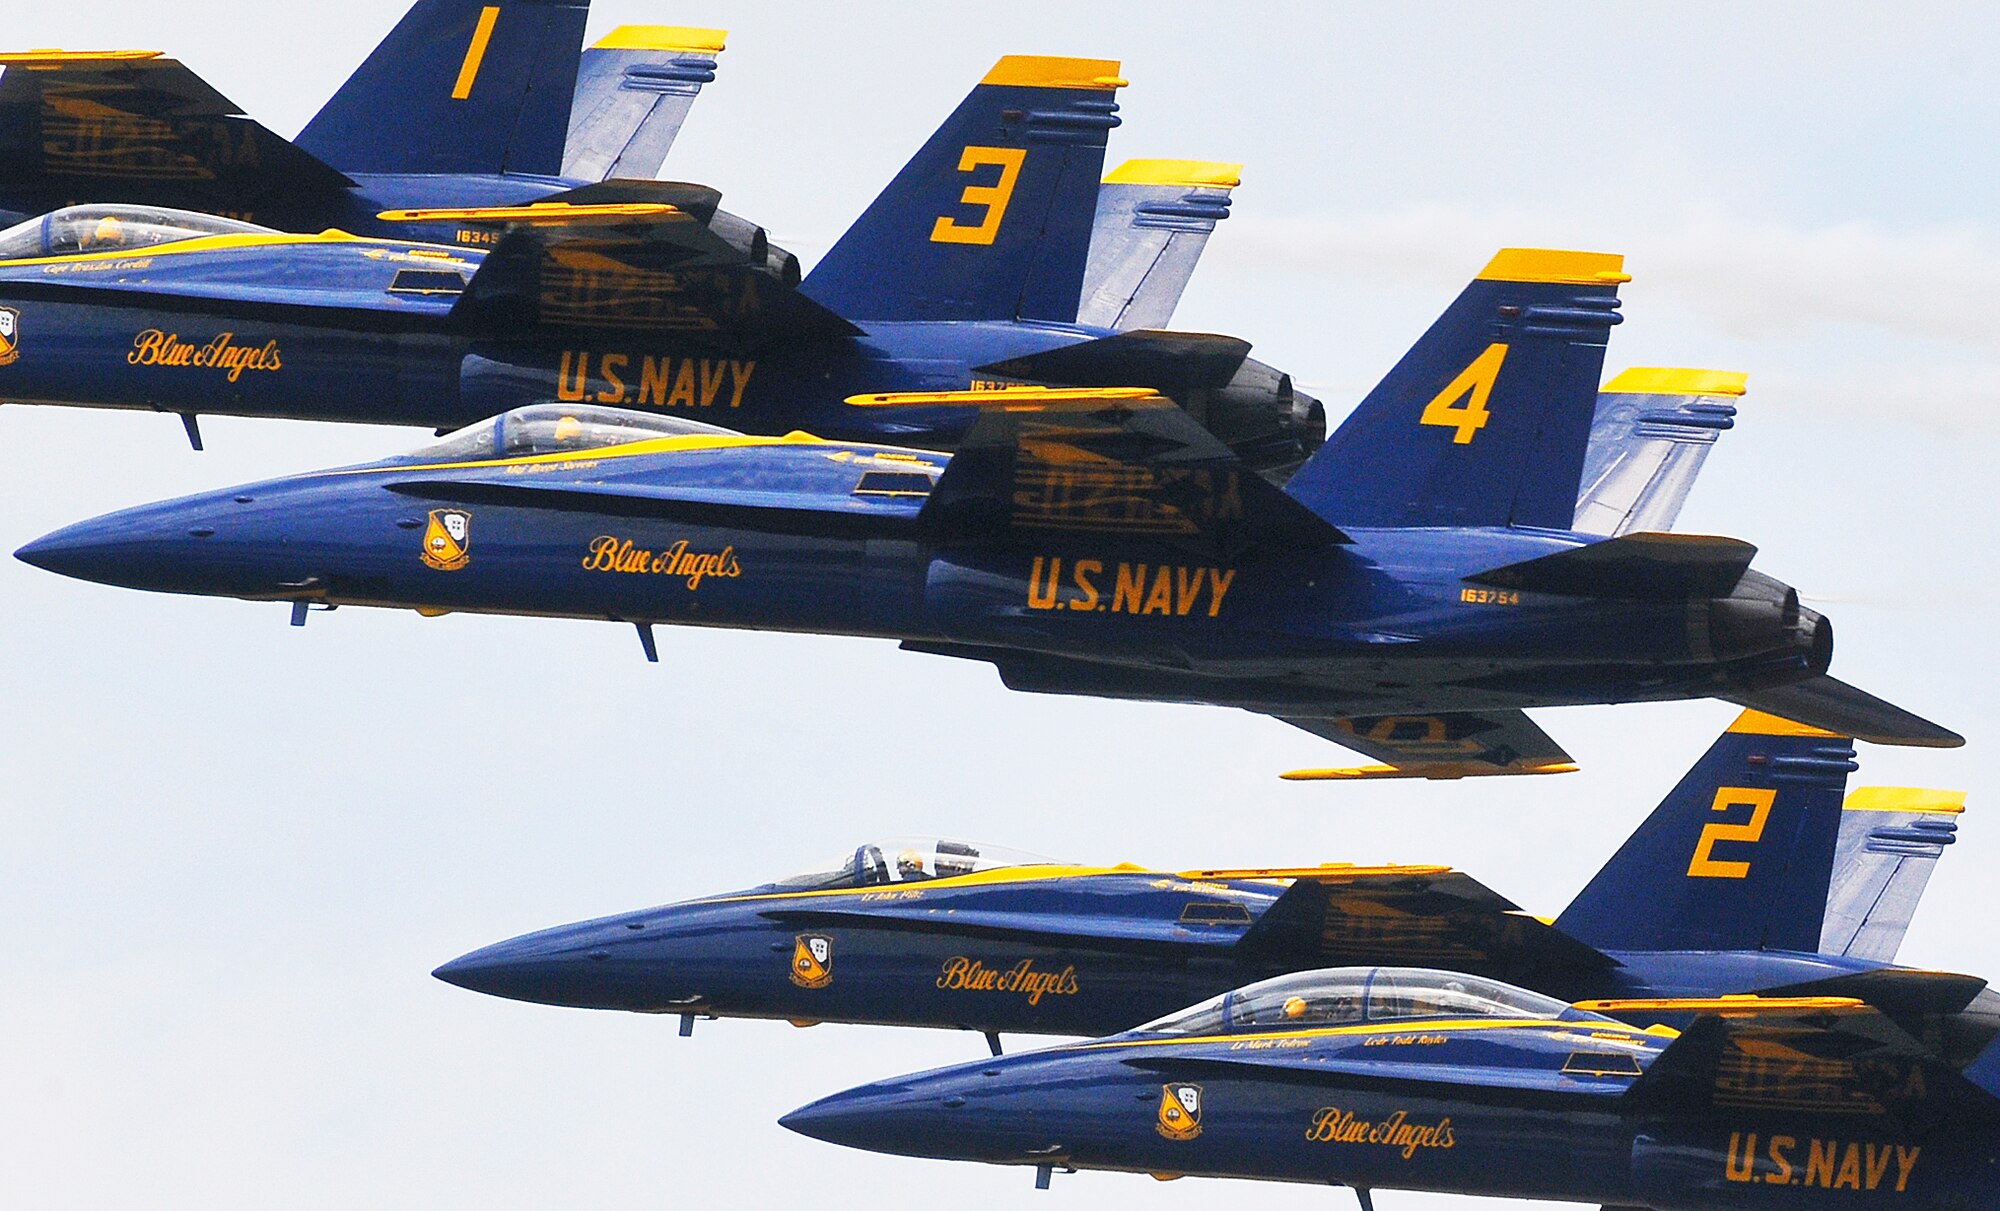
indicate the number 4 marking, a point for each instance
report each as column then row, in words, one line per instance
column 1473, row 386
column 1705, row 865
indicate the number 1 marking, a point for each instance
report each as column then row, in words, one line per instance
column 475, row 54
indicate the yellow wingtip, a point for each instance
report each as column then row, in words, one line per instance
column 1555, row 265
column 1192, row 174
column 1663, row 380
column 1055, row 71
column 665, row 37
column 51, row 54
column 1758, row 723
column 1441, row 771
column 1923, row 800
column 1027, row 398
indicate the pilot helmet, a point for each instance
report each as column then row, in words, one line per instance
column 909, row 863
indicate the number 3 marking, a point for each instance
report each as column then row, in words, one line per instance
column 1704, row 865
column 993, row 198
column 1474, row 385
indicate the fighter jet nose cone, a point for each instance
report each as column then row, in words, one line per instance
column 70, row 551
column 832, row 1120
column 492, row 970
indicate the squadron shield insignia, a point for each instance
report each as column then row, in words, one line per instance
column 812, row 961
column 448, row 540
column 10, row 336
column 1180, row 1111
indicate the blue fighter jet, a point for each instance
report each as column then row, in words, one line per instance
column 1407, row 594
column 1884, row 1095
column 1728, row 888
column 967, row 271
column 466, row 104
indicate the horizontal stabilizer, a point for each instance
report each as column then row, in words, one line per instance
column 1836, row 706
column 1640, row 566
column 1901, row 992
column 1457, row 745
column 1165, row 361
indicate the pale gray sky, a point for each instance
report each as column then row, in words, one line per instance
column 231, row 852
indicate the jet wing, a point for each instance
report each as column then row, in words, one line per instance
column 1458, row 745
column 1640, row 566
column 135, row 126
column 674, row 264
column 1168, row 362
column 1154, row 218
column 1416, row 917
column 1652, row 432
column 1110, row 460
column 1813, row 1055
column 634, row 90
column 1890, row 840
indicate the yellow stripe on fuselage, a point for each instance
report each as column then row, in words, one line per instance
column 679, row 444
column 978, row 878
column 1412, row 1026
column 227, row 243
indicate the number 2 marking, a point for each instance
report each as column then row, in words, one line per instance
column 1474, row 386
column 1704, row 865
column 993, row 198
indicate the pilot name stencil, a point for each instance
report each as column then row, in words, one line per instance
column 1175, row 590
column 1332, row 1125
column 1787, row 1160
column 156, row 348
column 612, row 554
column 962, row 974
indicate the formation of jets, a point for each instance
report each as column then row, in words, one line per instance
column 970, row 428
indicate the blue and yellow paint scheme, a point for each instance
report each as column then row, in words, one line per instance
column 1725, row 890
column 465, row 104
column 1391, row 1078
column 1093, row 541
column 964, row 274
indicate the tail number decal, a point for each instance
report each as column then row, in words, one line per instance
column 1705, row 865
column 992, row 199
column 1461, row 406
column 475, row 54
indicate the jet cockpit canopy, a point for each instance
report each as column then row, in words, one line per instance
column 1351, row 996
column 113, row 228
column 897, row 860
column 555, row 429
